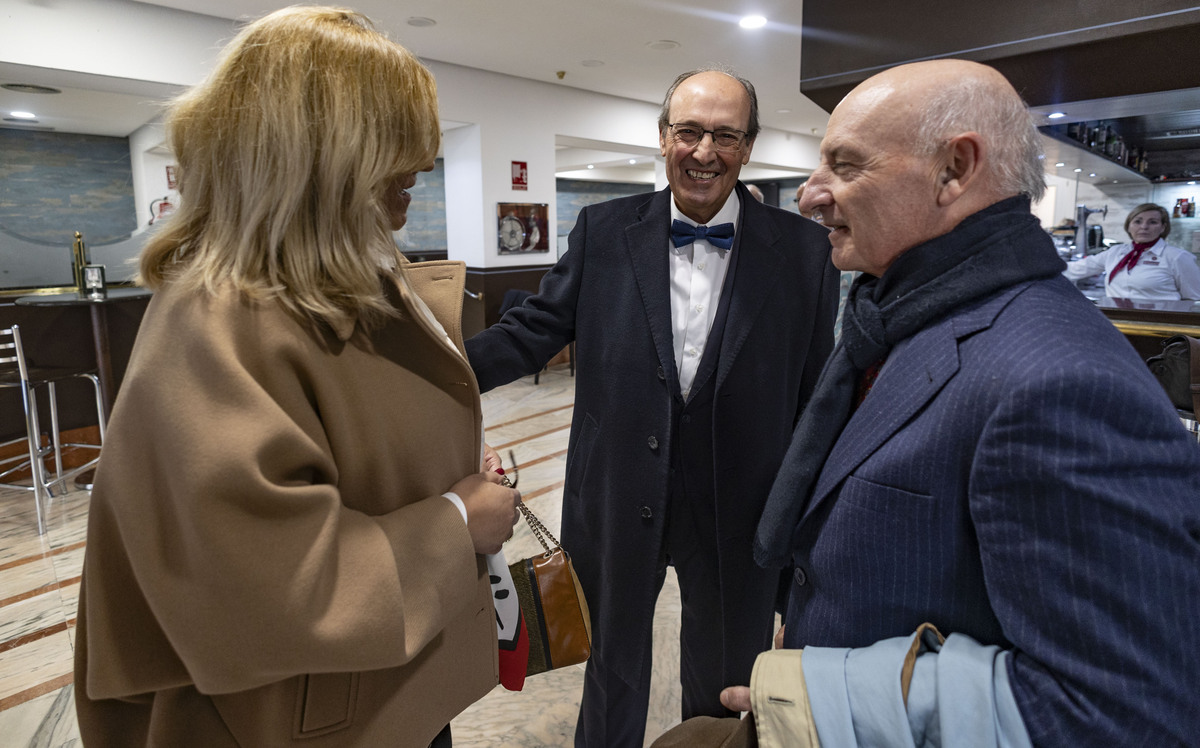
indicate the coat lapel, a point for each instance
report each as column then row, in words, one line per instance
column 757, row 273
column 646, row 242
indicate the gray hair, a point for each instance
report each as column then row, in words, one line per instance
column 971, row 103
column 752, row 129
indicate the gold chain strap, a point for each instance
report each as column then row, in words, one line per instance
column 538, row 528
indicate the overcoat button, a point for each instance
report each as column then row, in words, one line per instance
column 646, row 513
column 662, row 374
column 652, row 442
column 800, row 577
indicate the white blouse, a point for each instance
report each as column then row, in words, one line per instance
column 1164, row 272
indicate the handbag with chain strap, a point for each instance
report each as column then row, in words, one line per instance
column 552, row 604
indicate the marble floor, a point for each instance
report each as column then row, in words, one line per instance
column 39, row 588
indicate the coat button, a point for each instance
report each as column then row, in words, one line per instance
column 800, row 577
column 646, row 513
column 652, row 443
column 662, row 374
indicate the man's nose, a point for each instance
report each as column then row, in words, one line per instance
column 814, row 195
column 706, row 145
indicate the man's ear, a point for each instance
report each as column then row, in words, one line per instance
column 662, row 143
column 962, row 166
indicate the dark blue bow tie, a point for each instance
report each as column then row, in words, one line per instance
column 684, row 233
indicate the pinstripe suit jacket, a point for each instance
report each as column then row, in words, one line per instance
column 1017, row 475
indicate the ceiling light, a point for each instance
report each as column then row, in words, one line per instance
column 591, row 166
column 752, row 22
column 1056, row 115
column 1078, row 170
column 421, row 21
column 592, row 63
column 1092, row 174
column 783, row 111
column 23, row 115
column 29, row 88
column 1060, row 164
column 663, row 45
column 633, row 160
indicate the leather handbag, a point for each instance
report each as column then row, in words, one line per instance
column 1177, row 369
column 552, row 603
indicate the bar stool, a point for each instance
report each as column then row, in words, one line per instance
column 15, row 371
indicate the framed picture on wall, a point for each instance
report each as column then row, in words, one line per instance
column 521, row 227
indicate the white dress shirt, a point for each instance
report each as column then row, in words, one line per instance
column 697, row 276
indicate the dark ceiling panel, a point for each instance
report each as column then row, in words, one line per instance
column 1052, row 51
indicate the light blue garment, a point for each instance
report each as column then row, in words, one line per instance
column 959, row 695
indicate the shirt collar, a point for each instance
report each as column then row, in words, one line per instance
column 727, row 214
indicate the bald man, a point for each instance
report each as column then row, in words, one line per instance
column 991, row 507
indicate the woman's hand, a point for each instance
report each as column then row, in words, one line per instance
column 491, row 510
column 491, row 460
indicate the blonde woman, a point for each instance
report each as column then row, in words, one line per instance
column 277, row 552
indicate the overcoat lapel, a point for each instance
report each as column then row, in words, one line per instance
column 646, row 243
column 758, row 271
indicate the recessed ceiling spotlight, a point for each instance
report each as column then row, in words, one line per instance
column 591, row 166
column 23, row 115
column 1060, row 164
column 633, row 160
column 29, row 88
column 783, row 111
column 663, row 45
column 752, row 22
column 1078, row 170
column 421, row 21
column 1092, row 174
column 1056, row 115
column 592, row 63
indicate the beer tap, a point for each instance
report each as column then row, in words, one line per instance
column 1081, row 215
column 79, row 258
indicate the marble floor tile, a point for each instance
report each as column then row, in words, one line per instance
column 35, row 663
column 47, row 721
column 24, row 577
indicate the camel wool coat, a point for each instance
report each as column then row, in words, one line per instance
column 269, row 558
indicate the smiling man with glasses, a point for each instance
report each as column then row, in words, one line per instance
column 701, row 319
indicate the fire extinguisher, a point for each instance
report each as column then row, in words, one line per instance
column 160, row 208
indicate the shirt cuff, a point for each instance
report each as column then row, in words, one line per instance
column 458, row 504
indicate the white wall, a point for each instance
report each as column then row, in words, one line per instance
column 149, row 161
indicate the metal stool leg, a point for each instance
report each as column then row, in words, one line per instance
column 36, row 466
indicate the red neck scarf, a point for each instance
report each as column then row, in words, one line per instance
column 1130, row 260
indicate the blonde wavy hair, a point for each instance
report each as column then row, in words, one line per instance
column 284, row 155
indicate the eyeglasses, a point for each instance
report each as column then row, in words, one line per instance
column 505, row 480
column 723, row 140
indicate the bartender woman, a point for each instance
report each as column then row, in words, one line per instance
column 1147, row 268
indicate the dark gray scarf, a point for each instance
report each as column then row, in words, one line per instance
column 996, row 248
